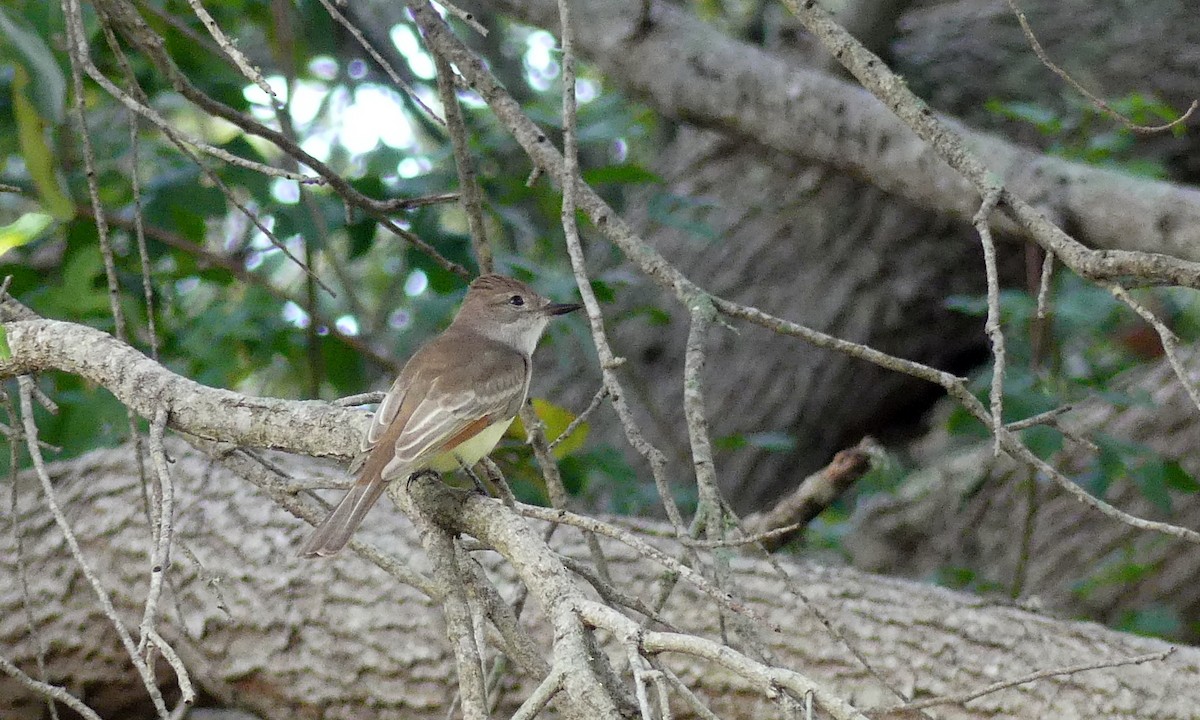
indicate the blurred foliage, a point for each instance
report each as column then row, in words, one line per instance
column 230, row 310
column 1087, row 134
column 1086, row 341
column 1079, row 352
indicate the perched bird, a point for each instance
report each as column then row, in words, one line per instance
column 452, row 401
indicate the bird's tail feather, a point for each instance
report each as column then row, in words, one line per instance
column 334, row 532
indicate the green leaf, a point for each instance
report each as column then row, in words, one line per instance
column 1151, row 480
column 22, row 46
column 1155, row 621
column 556, row 419
column 36, row 149
column 1177, row 478
column 24, row 229
column 975, row 305
column 5, row 350
column 625, row 174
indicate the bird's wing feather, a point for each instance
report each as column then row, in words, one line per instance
column 429, row 418
column 420, row 419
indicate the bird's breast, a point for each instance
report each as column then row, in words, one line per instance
column 472, row 450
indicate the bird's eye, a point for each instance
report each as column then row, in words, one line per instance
column 516, row 301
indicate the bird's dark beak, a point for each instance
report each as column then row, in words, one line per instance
column 561, row 308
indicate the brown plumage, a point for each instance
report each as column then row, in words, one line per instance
column 466, row 384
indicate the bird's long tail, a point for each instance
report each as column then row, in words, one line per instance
column 334, row 532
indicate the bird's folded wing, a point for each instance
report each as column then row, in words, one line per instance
column 423, row 417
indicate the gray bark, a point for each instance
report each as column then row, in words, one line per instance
column 810, row 244
column 264, row 631
column 801, row 184
column 961, row 53
column 968, row 511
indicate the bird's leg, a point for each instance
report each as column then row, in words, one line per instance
column 418, row 474
column 474, row 478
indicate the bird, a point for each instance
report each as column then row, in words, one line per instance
column 451, row 402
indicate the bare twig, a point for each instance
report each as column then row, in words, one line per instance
column 994, row 331
column 187, row 692
column 1050, row 417
column 110, row 612
column 53, row 693
column 541, row 696
column 767, row 679
column 1170, row 342
column 471, row 194
column 1096, row 101
column 160, row 547
column 648, row 551
column 367, row 398
column 961, row 698
column 230, row 50
column 1047, row 277
column 695, row 703
column 239, row 271
column 379, row 59
column 456, row 609
column 581, row 418
column 77, row 51
column 123, row 16
column 774, row 527
column 19, row 548
column 877, row 78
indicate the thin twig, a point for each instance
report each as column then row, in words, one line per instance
column 994, row 331
column 965, row 697
column 1046, row 418
column 471, row 195
column 19, row 548
column 1043, row 296
column 1096, row 101
column 768, row 679
column 53, row 693
column 357, row 34
column 110, row 612
column 613, row 595
column 187, row 692
column 536, row 438
column 681, row 687
column 647, row 550
column 123, row 15
column 160, row 548
column 239, row 271
column 581, row 418
column 230, row 50
column 77, row 52
column 367, row 398
column 81, row 56
column 139, row 231
column 1168, row 339
column 541, row 696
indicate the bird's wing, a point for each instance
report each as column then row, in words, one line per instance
column 420, row 419
column 429, row 417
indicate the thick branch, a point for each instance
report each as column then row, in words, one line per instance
column 692, row 71
column 309, row 427
column 293, row 638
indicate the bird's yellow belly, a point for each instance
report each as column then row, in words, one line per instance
column 471, row 451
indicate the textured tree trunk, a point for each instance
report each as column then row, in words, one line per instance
column 1016, row 533
column 811, row 245
column 262, row 630
column 814, row 243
